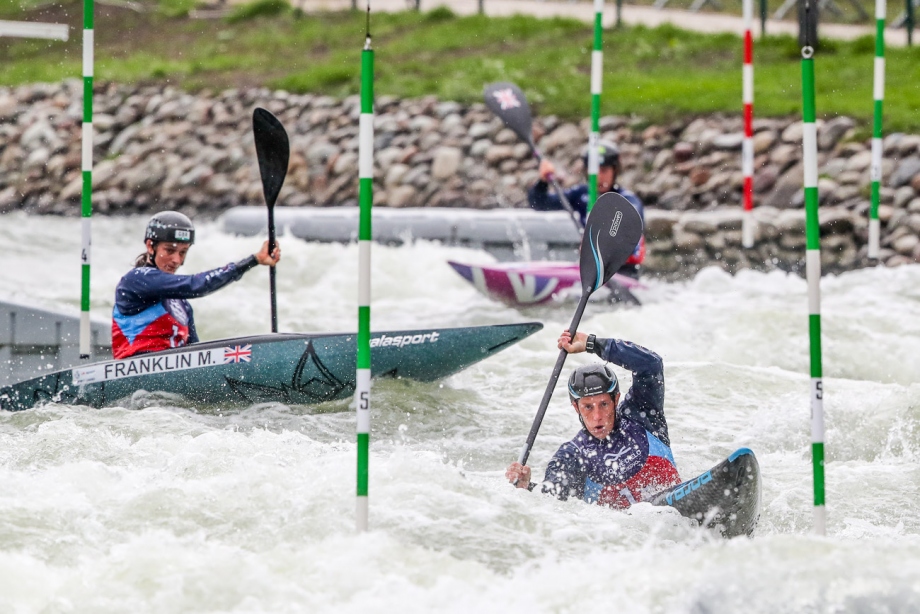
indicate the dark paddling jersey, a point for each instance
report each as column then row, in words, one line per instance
column 151, row 311
column 634, row 461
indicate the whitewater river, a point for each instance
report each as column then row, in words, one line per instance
column 158, row 507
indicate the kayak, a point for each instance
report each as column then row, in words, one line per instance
column 520, row 284
column 294, row 369
column 725, row 498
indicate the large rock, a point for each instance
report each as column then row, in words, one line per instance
column 763, row 141
column 563, row 136
column 906, row 171
column 395, row 175
column 860, row 161
column 831, row 132
column 497, row 153
column 446, row 162
column 787, row 187
column 659, row 224
column 728, row 142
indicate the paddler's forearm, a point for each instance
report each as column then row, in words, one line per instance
column 249, row 262
column 629, row 356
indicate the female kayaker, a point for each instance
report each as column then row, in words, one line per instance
column 151, row 311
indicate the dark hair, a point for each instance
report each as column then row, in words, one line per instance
column 146, row 259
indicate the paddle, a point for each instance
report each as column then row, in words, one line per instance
column 507, row 101
column 611, row 234
column 273, row 151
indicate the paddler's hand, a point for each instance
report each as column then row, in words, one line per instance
column 572, row 346
column 519, row 475
column 547, row 170
column 264, row 258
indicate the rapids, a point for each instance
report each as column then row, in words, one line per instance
column 155, row 506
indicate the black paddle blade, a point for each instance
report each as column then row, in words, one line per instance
column 612, row 231
column 273, row 151
column 507, row 101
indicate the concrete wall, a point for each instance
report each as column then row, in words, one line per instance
column 36, row 341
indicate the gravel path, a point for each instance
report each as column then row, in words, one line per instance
column 644, row 15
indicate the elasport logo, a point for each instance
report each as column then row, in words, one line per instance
column 615, row 227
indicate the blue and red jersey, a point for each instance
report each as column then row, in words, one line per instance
column 540, row 199
column 634, row 461
column 151, row 311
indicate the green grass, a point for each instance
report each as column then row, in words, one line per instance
column 657, row 74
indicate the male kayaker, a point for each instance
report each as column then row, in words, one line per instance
column 151, row 311
column 541, row 199
column 622, row 455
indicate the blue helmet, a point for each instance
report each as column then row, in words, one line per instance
column 592, row 379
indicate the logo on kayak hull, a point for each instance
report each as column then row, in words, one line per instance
column 686, row 488
column 404, row 340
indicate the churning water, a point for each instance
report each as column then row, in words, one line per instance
column 155, row 506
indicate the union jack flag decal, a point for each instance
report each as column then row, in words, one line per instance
column 238, row 353
column 506, row 99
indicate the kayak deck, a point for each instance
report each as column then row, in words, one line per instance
column 521, row 284
column 295, row 369
column 725, row 498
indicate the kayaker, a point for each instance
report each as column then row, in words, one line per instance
column 622, row 455
column 542, row 199
column 151, row 311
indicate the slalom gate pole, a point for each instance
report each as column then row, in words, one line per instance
column 365, row 199
column 878, row 95
column 597, row 67
column 813, row 269
column 747, row 147
column 86, row 208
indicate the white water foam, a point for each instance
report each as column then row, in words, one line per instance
column 157, row 507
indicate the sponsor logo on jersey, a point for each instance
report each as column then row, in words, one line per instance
column 144, row 365
column 404, row 340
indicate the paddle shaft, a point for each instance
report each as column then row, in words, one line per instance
column 576, row 219
column 551, row 385
column 271, row 269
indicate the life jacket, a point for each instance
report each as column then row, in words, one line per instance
column 628, row 466
column 159, row 327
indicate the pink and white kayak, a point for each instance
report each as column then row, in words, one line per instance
column 533, row 283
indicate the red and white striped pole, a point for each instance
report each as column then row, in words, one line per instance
column 747, row 146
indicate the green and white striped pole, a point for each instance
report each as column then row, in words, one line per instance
column 366, row 199
column 86, row 209
column 878, row 94
column 597, row 67
column 813, row 275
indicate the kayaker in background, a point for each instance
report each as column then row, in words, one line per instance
column 541, row 199
column 151, row 311
column 622, row 455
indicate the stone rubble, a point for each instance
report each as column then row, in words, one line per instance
column 161, row 148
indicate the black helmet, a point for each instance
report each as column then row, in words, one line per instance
column 608, row 155
column 171, row 227
column 592, row 379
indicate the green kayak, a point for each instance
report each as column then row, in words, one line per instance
column 295, row 369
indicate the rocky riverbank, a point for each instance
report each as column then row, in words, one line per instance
column 157, row 148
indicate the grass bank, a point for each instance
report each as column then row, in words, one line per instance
column 658, row 74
